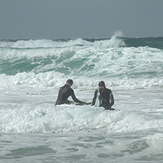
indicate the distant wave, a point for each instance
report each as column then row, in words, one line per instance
column 117, row 40
column 126, row 61
column 105, row 43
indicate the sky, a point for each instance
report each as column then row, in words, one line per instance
column 59, row 19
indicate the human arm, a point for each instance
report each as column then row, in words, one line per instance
column 111, row 99
column 95, row 97
column 74, row 97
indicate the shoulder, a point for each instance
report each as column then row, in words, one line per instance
column 96, row 90
column 71, row 90
column 108, row 90
column 61, row 87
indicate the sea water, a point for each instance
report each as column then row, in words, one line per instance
column 33, row 129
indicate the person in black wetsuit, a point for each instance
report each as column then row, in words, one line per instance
column 66, row 91
column 105, row 97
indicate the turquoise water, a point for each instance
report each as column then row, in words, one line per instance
column 32, row 128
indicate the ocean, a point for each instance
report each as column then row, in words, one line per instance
column 33, row 129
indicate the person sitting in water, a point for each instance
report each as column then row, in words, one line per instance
column 66, row 91
column 104, row 96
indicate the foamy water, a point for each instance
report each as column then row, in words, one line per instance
column 32, row 128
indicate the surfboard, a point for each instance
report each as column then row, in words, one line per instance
column 112, row 109
column 75, row 103
column 89, row 103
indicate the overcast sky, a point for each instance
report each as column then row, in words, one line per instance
column 55, row 19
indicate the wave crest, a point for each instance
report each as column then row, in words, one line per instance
column 114, row 41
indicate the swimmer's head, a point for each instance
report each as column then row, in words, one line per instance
column 101, row 84
column 69, row 82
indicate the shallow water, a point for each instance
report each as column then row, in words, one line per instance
column 33, row 128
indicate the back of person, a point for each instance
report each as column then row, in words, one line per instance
column 64, row 93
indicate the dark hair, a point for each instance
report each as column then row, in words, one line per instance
column 70, row 81
column 101, row 84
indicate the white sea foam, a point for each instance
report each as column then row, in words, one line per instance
column 47, row 118
column 123, row 64
column 54, row 79
column 31, row 73
column 113, row 42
